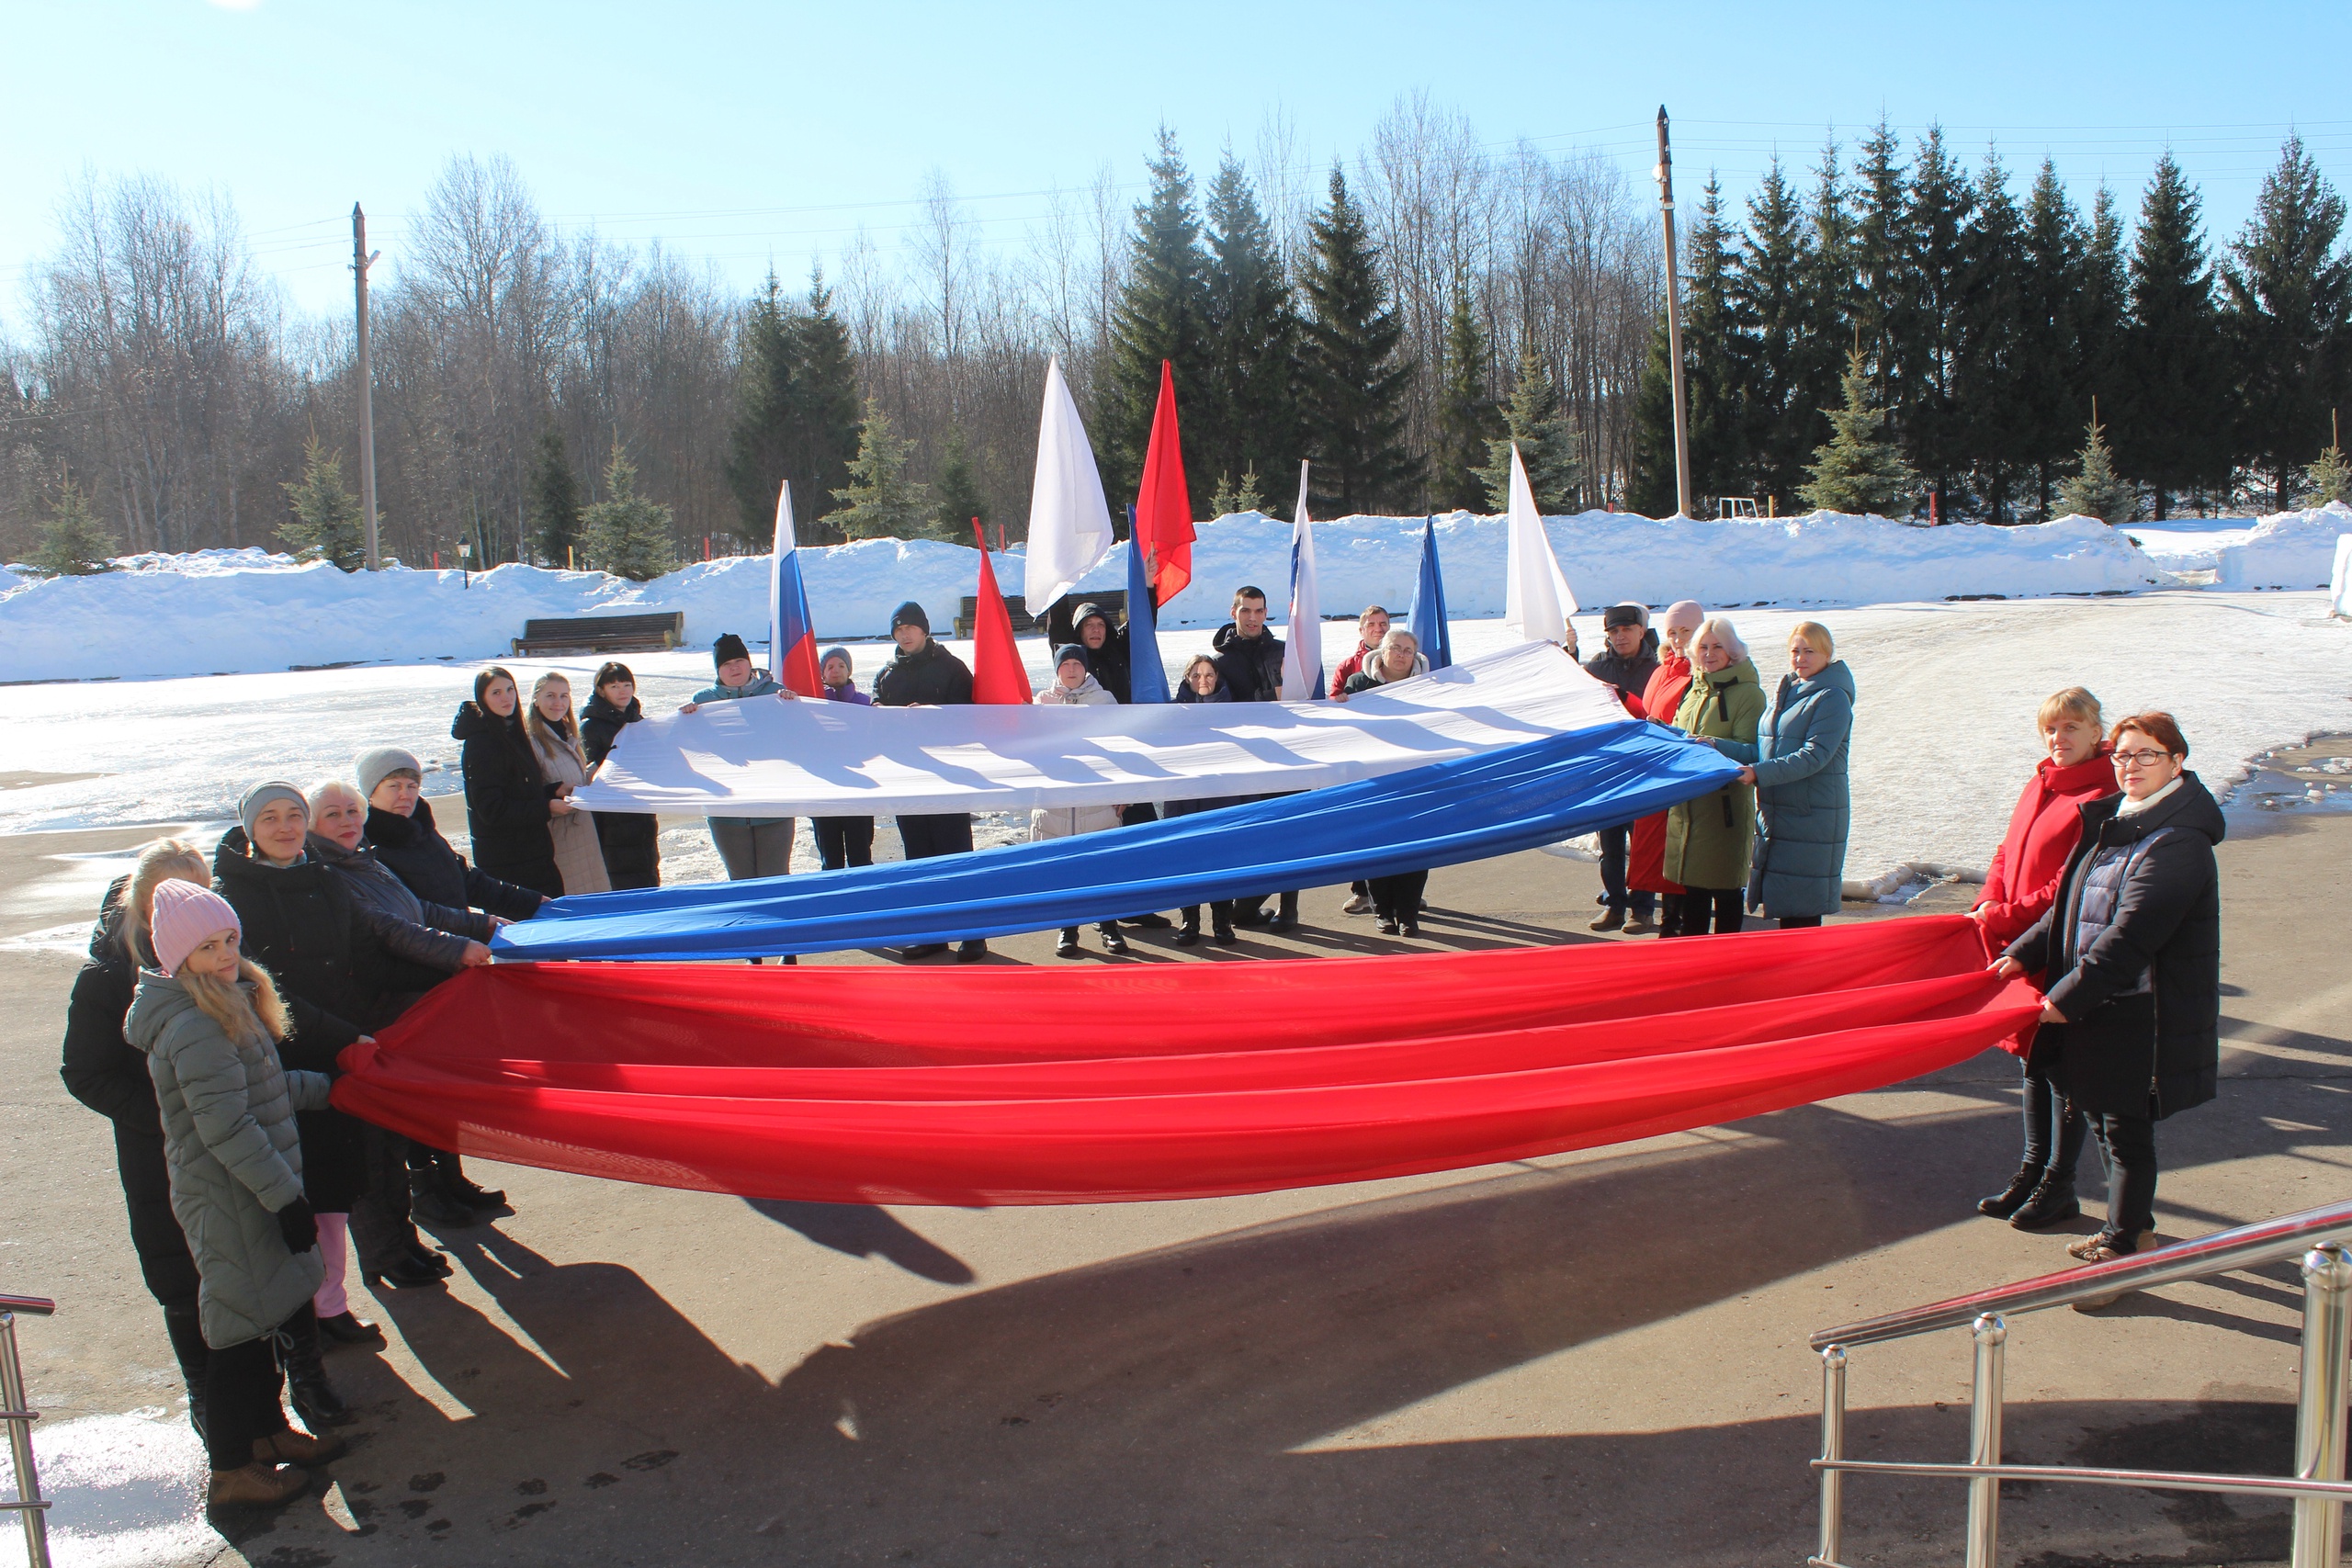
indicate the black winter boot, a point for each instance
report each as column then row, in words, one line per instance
column 1285, row 916
column 2053, row 1201
column 315, row 1400
column 2012, row 1197
column 1190, row 931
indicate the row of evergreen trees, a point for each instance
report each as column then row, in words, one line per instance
column 1986, row 329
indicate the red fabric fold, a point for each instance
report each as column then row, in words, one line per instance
column 1026, row 1086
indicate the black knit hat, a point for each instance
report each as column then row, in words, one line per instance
column 909, row 615
column 728, row 647
column 1067, row 652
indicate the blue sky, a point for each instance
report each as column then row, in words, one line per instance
column 748, row 131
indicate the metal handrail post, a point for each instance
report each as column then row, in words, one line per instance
column 1985, row 1441
column 2319, row 1404
column 30, row 1506
column 1833, row 1449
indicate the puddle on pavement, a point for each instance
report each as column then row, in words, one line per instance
column 2312, row 777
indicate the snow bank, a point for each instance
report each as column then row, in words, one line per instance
column 223, row 611
column 2288, row 549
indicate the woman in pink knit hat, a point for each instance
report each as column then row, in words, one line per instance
column 209, row 1023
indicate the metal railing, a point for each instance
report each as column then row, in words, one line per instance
column 19, row 1420
column 2317, row 1486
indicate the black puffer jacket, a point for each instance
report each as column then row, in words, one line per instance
column 1631, row 676
column 379, row 887
column 2135, row 943
column 631, row 839
column 430, row 868
column 1108, row 664
column 930, row 674
column 1252, row 666
column 506, row 800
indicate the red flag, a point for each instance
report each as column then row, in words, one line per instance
column 1163, row 507
column 997, row 674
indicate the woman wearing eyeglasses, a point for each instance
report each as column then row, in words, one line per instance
column 2134, row 942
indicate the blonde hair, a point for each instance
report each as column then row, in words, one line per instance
column 319, row 793
column 2074, row 702
column 546, row 735
column 159, row 863
column 1723, row 632
column 252, row 1018
column 1817, row 634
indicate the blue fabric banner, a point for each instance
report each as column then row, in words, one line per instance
column 1470, row 808
column 1427, row 617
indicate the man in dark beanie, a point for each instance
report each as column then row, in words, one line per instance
column 1627, row 663
column 747, row 846
column 923, row 675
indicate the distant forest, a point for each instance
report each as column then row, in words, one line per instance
column 543, row 394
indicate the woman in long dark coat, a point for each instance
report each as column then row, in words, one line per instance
column 2132, row 1022
column 509, row 802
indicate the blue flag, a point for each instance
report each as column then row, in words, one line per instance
column 1428, row 616
column 1147, row 680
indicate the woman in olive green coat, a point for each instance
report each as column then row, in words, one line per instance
column 1708, row 840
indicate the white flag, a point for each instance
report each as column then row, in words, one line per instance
column 1536, row 601
column 1070, row 525
column 1303, row 656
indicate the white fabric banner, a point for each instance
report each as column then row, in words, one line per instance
column 1302, row 642
column 769, row 757
column 1536, row 601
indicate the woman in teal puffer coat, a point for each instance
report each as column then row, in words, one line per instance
column 1798, row 765
column 210, row 1026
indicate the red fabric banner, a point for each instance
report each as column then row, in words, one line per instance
column 872, row 1085
column 997, row 672
column 1163, row 504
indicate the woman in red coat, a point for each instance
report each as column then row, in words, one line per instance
column 2019, row 889
column 1645, row 856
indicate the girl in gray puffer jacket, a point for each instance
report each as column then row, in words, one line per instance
column 210, row 1027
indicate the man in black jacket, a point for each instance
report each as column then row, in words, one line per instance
column 1249, row 658
column 1106, row 650
column 1627, row 663
column 923, row 675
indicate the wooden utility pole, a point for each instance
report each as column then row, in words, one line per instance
column 362, row 258
column 1674, row 323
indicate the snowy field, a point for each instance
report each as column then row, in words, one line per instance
column 246, row 611
column 1943, row 740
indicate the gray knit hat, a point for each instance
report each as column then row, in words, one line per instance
column 832, row 653
column 379, row 763
column 262, row 795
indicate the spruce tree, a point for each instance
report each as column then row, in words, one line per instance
column 756, row 460
column 1828, row 297
column 1465, row 413
column 1162, row 314
column 2172, row 422
column 825, row 406
column 555, row 500
column 1928, row 410
column 960, row 498
column 326, row 524
column 1649, row 489
column 1858, row 469
column 1244, row 494
column 2290, row 314
column 1885, row 322
column 1718, row 352
column 2049, row 356
column 2094, row 489
column 1990, row 374
column 1546, row 439
column 1354, row 372
column 2328, row 479
column 2102, row 308
column 627, row 533
column 1246, row 416
column 880, row 502
column 1769, row 291
column 73, row 542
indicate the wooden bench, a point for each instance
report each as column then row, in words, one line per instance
column 1014, row 604
column 604, row 633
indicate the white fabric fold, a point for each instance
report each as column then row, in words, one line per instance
column 765, row 757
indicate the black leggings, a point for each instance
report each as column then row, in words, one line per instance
column 2127, row 1146
column 242, row 1385
column 2047, row 1112
column 1715, row 907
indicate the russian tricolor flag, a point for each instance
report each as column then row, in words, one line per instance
column 792, row 631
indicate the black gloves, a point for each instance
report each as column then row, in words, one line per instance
column 298, row 1225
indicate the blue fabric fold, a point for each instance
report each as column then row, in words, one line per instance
column 1466, row 809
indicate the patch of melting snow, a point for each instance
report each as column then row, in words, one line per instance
column 126, row 1489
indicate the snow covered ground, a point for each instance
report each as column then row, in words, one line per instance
column 246, row 611
column 1944, row 735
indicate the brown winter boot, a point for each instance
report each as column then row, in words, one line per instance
column 255, row 1486
column 290, row 1447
